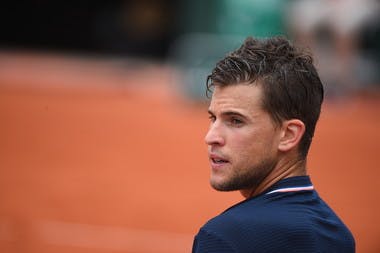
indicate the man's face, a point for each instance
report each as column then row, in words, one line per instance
column 242, row 139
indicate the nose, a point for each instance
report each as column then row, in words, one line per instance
column 214, row 136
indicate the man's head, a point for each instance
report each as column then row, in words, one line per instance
column 265, row 104
column 291, row 85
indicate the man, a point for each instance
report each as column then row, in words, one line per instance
column 266, row 100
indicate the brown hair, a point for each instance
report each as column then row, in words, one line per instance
column 291, row 85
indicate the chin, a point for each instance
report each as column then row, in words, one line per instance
column 217, row 185
column 222, row 186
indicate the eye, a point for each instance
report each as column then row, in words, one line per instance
column 236, row 122
column 212, row 118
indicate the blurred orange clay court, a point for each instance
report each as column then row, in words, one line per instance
column 105, row 156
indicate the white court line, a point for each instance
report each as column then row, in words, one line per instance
column 111, row 238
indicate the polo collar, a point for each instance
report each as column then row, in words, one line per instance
column 291, row 184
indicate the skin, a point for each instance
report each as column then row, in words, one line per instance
column 247, row 150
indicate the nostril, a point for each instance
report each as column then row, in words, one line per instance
column 212, row 139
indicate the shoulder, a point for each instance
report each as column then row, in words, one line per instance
column 245, row 227
column 211, row 241
column 277, row 223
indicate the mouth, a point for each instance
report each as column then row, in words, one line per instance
column 217, row 161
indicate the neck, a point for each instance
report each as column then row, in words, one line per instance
column 287, row 169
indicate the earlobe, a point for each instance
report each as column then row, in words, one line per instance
column 292, row 132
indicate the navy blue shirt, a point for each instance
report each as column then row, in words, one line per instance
column 288, row 217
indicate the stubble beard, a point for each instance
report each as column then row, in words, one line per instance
column 249, row 178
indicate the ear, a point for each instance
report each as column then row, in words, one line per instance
column 292, row 132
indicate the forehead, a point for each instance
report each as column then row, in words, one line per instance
column 241, row 97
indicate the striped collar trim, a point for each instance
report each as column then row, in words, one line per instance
column 293, row 189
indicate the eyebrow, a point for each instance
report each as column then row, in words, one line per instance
column 229, row 113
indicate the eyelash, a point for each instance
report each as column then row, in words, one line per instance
column 235, row 121
column 231, row 121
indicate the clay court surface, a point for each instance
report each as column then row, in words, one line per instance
column 106, row 156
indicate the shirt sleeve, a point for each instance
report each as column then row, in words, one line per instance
column 209, row 242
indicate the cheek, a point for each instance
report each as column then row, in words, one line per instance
column 242, row 143
column 251, row 144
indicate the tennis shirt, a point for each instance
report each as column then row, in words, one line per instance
column 288, row 217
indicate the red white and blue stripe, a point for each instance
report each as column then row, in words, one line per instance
column 293, row 189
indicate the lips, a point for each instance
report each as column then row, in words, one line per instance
column 218, row 160
column 214, row 160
